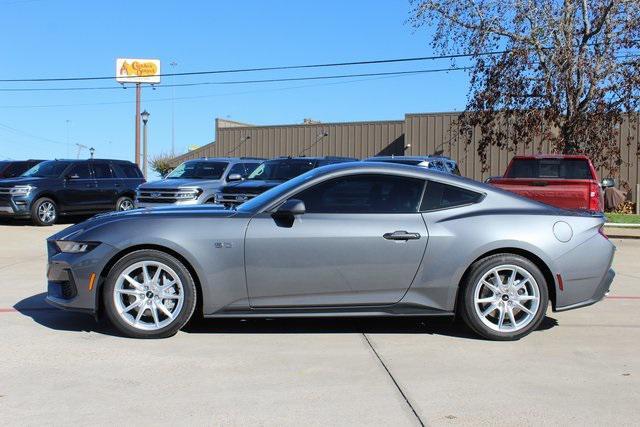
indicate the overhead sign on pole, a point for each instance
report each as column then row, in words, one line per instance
column 130, row 70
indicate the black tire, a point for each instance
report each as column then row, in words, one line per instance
column 188, row 286
column 124, row 203
column 473, row 319
column 37, row 209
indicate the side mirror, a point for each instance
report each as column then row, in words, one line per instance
column 488, row 180
column 291, row 207
column 608, row 183
column 234, row 177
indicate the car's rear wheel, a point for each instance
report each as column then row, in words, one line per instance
column 504, row 297
column 149, row 294
column 124, row 204
column 44, row 211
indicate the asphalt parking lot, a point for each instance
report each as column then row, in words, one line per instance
column 581, row 367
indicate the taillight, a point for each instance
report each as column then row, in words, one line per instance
column 602, row 233
column 594, row 197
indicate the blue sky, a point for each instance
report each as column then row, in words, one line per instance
column 62, row 38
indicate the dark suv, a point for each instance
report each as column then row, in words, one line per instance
column 270, row 174
column 14, row 168
column 69, row 187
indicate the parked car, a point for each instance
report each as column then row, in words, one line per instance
column 64, row 187
column 565, row 181
column 270, row 174
column 351, row 239
column 14, row 168
column 439, row 163
column 195, row 182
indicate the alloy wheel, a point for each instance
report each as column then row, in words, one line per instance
column 506, row 298
column 47, row 212
column 148, row 295
column 125, row 205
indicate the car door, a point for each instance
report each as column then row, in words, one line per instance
column 360, row 242
column 108, row 185
column 80, row 193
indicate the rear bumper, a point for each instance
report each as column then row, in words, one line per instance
column 600, row 291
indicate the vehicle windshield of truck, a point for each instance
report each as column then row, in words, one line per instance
column 281, row 170
column 550, row 168
column 51, row 169
column 198, row 170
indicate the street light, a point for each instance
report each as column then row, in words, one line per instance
column 145, row 118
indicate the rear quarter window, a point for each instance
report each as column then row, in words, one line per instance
column 442, row 196
column 127, row 170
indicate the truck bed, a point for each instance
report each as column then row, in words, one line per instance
column 562, row 193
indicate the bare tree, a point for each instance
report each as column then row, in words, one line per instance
column 565, row 71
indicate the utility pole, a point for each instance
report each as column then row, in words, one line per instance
column 68, row 148
column 138, row 93
column 173, row 65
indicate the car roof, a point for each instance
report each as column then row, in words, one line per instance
column 551, row 157
column 226, row 159
column 422, row 158
column 314, row 158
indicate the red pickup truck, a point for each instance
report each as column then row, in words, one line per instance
column 565, row 181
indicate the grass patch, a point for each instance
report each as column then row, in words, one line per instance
column 623, row 218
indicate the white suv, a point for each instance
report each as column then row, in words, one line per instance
column 195, row 182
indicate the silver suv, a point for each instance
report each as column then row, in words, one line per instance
column 195, row 182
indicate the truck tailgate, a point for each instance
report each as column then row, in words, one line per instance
column 564, row 193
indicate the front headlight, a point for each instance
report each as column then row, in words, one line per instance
column 72, row 247
column 21, row 190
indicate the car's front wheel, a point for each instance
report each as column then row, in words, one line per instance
column 504, row 297
column 44, row 211
column 149, row 294
column 124, row 204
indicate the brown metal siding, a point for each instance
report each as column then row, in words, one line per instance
column 343, row 139
column 425, row 133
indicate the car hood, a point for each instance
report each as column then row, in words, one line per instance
column 250, row 187
column 177, row 183
column 10, row 182
column 78, row 230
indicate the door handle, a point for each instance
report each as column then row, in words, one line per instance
column 401, row 235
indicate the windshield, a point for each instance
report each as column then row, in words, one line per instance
column 550, row 168
column 263, row 199
column 199, row 170
column 281, row 170
column 50, row 169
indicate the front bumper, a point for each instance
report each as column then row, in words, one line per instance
column 142, row 204
column 15, row 207
column 68, row 277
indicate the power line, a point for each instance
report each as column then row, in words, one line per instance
column 239, row 82
column 152, row 100
column 277, row 68
column 30, row 135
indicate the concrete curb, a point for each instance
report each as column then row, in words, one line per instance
column 620, row 231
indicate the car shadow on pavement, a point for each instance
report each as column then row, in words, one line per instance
column 48, row 316
column 53, row 318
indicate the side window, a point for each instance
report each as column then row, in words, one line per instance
column 364, row 194
column 243, row 169
column 442, row 196
column 79, row 171
column 102, row 170
column 126, row 170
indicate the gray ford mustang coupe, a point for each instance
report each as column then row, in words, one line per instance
column 352, row 239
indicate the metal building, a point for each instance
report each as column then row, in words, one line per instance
column 417, row 134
